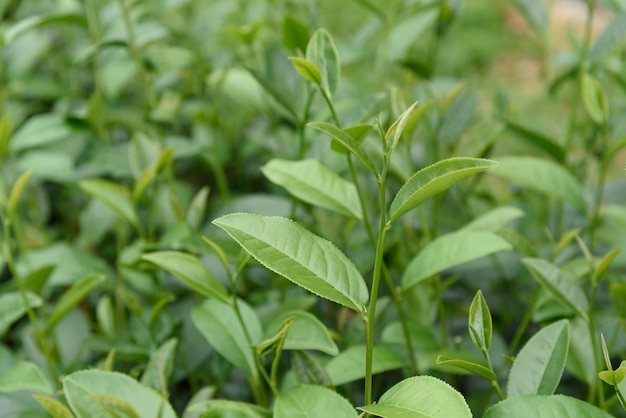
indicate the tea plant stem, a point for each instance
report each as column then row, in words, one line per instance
column 93, row 27
column 329, row 102
column 359, row 191
column 525, row 321
column 598, row 386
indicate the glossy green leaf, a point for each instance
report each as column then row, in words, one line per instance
column 346, row 140
column 33, row 22
column 495, row 219
column 543, row 176
column 595, row 99
column 24, row 375
column 219, row 324
column 81, row 387
column 306, row 333
column 16, row 193
column 322, row 52
column 433, row 180
column 561, row 287
column 308, row 401
column 313, row 183
column 191, row 271
column 307, row 69
column 55, row 408
column 544, row 406
column 349, row 365
column 449, row 251
column 397, row 128
column 160, row 366
column 71, row 298
column 420, row 396
column 306, row 259
column 604, row 264
column 538, row 140
column 224, row 408
column 113, row 196
column 12, row 308
column 610, row 38
column 480, row 325
column 475, row 368
column 539, row 365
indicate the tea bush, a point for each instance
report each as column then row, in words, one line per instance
column 311, row 208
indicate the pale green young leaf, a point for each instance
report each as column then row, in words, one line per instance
column 349, row 365
column 313, row 183
column 40, row 130
column 470, row 366
column 71, row 298
column 16, row 192
column 357, row 132
column 420, row 396
column 160, row 366
column 564, row 241
column 543, row 176
column 561, row 287
column 322, row 52
column 5, row 134
column 397, row 128
column 197, row 208
column 106, row 316
column 55, row 408
column 595, row 99
column 82, row 387
column 480, row 324
column 405, row 32
column 24, row 375
column 433, row 180
column 346, row 140
column 306, row 259
column 12, row 308
column 113, row 196
column 307, row 69
column 451, row 250
column 219, row 324
column 306, row 333
column 308, row 401
column 495, row 219
column 539, row 365
column 191, row 271
column 148, row 175
column 604, row 264
column 544, row 406
column 115, row 406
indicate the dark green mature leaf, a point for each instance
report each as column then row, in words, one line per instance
column 114, row 196
column 480, row 325
column 539, row 365
column 562, row 288
column 308, row 401
column 537, row 140
column 475, row 368
column 33, row 22
column 420, row 396
column 71, row 298
column 306, row 259
column 544, row 406
column 609, row 39
column 307, row 69
column 313, row 183
column 346, row 140
column 322, row 52
column 308, row 369
column 349, row 365
column 404, row 34
column 595, row 99
column 12, row 308
column 80, row 387
column 219, row 324
column 295, row 34
column 543, row 176
column 191, row 271
column 433, row 180
column 449, row 251
column 24, row 375
column 306, row 333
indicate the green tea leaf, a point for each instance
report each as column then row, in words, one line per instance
column 16, row 192
column 197, row 208
column 397, row 127
column 535, row 13
column 160, row 366
column 537, row 140
column 81, row 387
column 544, row 406
column 71, row 298
column 55, row 408
column 12, row 308
column 560, row 286
column 595, row 99
column 6, row 130
column 307, row 69
column 113, row 196
column 150, row 173
column 322, row 52
column 433, row 180
column 114, row 405
column 224, row 408
column 538, row 367
column 40, row 130
column 349, row 365
column 295, row 34
column 24, row 375
column 420, row 396
column 543, row 176
column 308, row 401
column 357, row 132
column 495, row 219
column 313, row 183
column 449, row 251
column 33, row 22
column 346, row 140
column 306, row 259
column 604, row 264
column 219, row 324
column 475, row 368
column 480, row 325
column 612, row 36
column 308, row 369
column 306, row 333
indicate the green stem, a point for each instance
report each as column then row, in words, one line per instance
column 329, row 102
column 599, row 387
column 525, row 321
